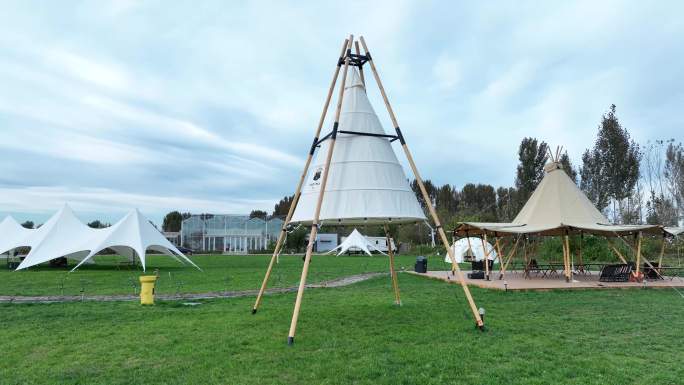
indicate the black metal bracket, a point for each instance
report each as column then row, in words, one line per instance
column 355, row 60
column 393, row 137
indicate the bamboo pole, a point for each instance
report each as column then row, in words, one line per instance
column 568, row 267
column 319, row 203
column 662, row 254
column 486, row 255
column 302, row 178
column 508, row 259
column 470, row 247
column 638, row 257
column 358, row 52
column 426, row 197
column 579, row 252
column 498, row 250
column 617, row 252
column 393, row 273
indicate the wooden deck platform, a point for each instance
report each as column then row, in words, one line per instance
column 515, row 281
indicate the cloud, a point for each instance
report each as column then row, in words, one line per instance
column 125, row 103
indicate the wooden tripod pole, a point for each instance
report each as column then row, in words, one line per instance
column 484, row 247
column 298, row 190
column 319, row 203
column 358, row 52
column 393, row 273
column 426, row 197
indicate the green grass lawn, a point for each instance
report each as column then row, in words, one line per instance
column 220, row 273
column 353, row 335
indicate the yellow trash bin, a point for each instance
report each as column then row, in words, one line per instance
column 147, row 289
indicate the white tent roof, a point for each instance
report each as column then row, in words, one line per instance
column 134, row 233
column 366, row 183
column 555, row 205
column 64, row 235
column 12, row 234
column 461, row 249
column 355, row 240
column 61, row 236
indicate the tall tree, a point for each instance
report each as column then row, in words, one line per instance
column 446, row 199
column 172, row 221
column 507, row 204
column 258, row 214
column 532, row 156
column 283, row 206
column 479, row 202
column 429, row 187
column 674, row 175
column 610, row 170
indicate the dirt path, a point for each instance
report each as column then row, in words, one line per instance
column 338, row 282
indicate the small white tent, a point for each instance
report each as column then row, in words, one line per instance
column 475, row 250
column 355, row 240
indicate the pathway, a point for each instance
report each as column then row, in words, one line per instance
column 337, row 282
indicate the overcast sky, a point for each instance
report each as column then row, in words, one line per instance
column 208, row 106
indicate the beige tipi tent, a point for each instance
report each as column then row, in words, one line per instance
column 557, row 207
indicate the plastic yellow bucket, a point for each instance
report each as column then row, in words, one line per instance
column 147, row 289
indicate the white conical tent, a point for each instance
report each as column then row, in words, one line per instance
column 461, row 249
column 366, row 183
column 12, row 235
column 355, row 240
column 63, row 235
column 133, row 236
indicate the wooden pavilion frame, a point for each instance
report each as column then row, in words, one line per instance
column 346, row 59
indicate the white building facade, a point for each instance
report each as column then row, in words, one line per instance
column 229, row 234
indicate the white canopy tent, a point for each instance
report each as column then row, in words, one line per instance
column 355, row 241
column 133, row 236
column 366, row 183
column 461, row 249
column 12, row 234
column 64, row 235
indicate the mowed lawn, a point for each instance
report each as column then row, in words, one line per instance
column 111, row 275
column 353, row 335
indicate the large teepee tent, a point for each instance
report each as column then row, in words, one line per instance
column 366, row 183
column 356, row 177
column 557, row 207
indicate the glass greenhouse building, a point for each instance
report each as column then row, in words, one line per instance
column 235, row 234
